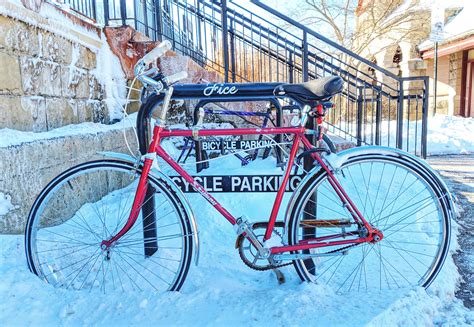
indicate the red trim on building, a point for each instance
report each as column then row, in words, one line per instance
column 452, row 47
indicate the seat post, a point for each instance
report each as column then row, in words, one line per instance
column 304, row 115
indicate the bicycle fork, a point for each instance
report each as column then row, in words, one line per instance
column 137, row 202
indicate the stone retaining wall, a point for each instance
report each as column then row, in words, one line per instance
column 50, row 76
column 46, row 80
column 25, row 169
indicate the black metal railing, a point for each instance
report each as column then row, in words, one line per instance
column 85, row 8
column 376, row 106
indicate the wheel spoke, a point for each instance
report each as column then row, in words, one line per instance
column 90, row 203
column 393, row 197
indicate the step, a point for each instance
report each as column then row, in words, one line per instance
column 341, row 143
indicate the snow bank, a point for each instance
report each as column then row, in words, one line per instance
column 12, row 137
column 450, row 135
column 222, row 290
column 446, row 134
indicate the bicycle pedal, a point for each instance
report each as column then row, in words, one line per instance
column 328, row 223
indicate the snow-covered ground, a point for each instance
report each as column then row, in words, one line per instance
column 222, row 290
column 450, row 135
column 445, row 134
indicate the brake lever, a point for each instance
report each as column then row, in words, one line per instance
column 151, row 71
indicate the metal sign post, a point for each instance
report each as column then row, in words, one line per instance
column 437, row 35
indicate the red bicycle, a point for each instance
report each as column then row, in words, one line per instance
column 370, row 218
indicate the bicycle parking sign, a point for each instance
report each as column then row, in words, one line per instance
column 236, row 145
column 239, row 183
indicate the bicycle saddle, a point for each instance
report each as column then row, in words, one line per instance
column 315, row 90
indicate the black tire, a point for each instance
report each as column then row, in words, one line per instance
column 64, row 219
column 397, row 244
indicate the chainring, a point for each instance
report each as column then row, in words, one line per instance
column 249, row 254
column 242, row 244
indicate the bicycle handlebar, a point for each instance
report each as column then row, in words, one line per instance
column 156, row 52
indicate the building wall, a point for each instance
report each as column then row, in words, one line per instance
column 52, row 79
column 46, row 80
column 383, row 50
column 449, row 83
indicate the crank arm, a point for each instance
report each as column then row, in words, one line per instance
column 298, row 256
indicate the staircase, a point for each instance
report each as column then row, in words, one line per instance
column 376, row 106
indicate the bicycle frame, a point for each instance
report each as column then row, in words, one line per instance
column 155, row 148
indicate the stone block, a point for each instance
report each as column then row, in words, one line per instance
column 17, row 36
column 122, row 43
column 40, row 77
column 55, row 48
column 52, row 79
column 10, row 78
column 87, row 59
column 59, row 113
column 82, row 88
column 96, row 90
column 82, row 112
column 35, row 107
column 23, row 113
column 98, row 111
column 75, row 83
column 31, row 71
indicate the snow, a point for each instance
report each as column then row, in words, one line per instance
column 12, row 137
column 5, row 204
column 450, row 135
column 222, row 290
column 110, row 74
column 446, row 134
column 460, row 25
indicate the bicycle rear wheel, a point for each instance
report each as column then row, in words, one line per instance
column 91, row 202
column 393, row 196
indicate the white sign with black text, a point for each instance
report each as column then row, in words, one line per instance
column 239, row 183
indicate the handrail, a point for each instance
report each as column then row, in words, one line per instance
column 324, row 39
column 238, row 44
column 246, row 22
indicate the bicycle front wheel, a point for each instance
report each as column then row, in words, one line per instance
column 90, row 203
column 395, row 197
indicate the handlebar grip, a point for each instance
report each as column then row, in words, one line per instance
column 176, row 77
column 157, row 52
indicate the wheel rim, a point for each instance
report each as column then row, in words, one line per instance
column 88, row 205
column 394, row 198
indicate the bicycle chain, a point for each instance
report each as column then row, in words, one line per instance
column 271, row 266
column 343, row 248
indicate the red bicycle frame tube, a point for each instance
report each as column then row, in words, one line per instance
column 298, row 132
column 281, row 191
